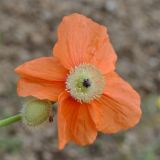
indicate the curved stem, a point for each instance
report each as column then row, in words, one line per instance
column 10, row 120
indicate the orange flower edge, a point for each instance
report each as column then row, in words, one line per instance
column 81, row 77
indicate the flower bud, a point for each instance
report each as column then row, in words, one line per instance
column 36, row 112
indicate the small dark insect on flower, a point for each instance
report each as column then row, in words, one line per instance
column 50, row 118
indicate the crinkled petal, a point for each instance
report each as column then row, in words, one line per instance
column 74, row 122
column 47, row 68
column 40, row 89
column 105, row 58
column 81, row 40
column 118, row 108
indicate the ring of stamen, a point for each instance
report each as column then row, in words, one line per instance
column 85, row 83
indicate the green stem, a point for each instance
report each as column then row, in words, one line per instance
column 10, row 120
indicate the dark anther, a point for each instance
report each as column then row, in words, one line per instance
column 86, row 83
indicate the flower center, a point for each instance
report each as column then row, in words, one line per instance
column 85, row 83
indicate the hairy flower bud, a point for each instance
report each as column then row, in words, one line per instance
column 36, row 112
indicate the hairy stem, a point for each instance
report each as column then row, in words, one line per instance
column 10, row 120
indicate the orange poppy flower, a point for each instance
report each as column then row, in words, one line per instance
column 81, row 77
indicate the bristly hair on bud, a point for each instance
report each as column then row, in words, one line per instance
column 36, row 112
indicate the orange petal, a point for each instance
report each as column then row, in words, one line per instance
column 80, row 40
column 64, row 134
column 118, row 108
column 40, row 89
column 105, row 58
column 75, row 122
column 47, row 68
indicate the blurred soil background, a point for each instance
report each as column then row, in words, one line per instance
column 28, row 30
